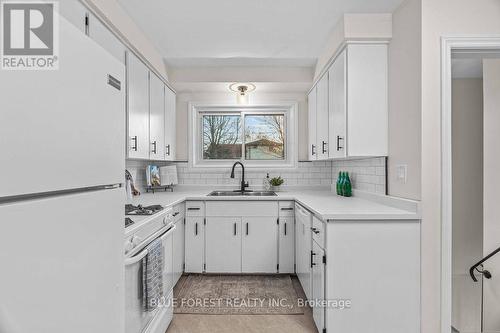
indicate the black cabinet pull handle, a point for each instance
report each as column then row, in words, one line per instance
column 313, row 149
column 247, row 229
column 286, row 208
column 285, row 228
column 154, row 147
column 196, row 229
column 324, row 147
column 193, row 208
column 338, row 142
column 168, row 150
column 312, row 259
column 134, row 146
column 234, row 229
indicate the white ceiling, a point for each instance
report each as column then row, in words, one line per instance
column 228, row 32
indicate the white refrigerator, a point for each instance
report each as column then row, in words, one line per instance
column 62, row 161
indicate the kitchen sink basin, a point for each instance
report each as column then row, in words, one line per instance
column 239, row 193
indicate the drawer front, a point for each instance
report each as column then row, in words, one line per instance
column 195, row 208
column 287, row 208
column 179, row 211
column 242, row 208
column 318, row 231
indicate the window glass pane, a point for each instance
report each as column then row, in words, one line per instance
column 265, row 137
column 222, row 137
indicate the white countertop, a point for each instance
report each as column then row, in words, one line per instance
column 324, row 204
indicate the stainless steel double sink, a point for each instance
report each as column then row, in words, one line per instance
column 240, row 193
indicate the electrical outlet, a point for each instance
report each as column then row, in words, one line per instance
column 402, row 173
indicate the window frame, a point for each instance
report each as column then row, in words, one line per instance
column 195, row 134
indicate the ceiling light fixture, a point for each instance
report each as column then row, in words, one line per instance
column 242, row 90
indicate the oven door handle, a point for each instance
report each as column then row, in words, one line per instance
column 138, row 257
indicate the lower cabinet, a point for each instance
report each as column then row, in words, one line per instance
column 223, row 251
column 286, row 251
column 178, row 249
column 318, row 284
column 194, row 244
column 259, row 245
column 303, row 248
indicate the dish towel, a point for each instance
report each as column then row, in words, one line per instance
column 152, row 275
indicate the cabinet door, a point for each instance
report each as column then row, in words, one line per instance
column 156, row 118
column 259, row 245
column 286, row 245
column 223, row 245
column 178, row 250
column 138, row 108
column 318, row 285
column 170, row 126
column 337, row 77
column 303, row 253
column 195, row 244
column 313, row 148
column 322, row 118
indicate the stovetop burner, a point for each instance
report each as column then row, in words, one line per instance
column 140, row 210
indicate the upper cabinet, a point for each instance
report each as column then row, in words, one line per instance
column 137, row 108
column 170, row 133
column 351, row 107
column 322, row 118
column 150, row 114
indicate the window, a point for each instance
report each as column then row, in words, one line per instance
column 256, row 136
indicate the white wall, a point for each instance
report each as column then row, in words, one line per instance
column 405, row 100
column 440, row 18
column 118, row 18
column 467, row 244
column 183, row 100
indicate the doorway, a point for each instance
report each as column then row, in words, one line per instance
column 471, row 176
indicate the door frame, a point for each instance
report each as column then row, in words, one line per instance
column 448, row 45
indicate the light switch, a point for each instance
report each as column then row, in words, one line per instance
column 401, row 173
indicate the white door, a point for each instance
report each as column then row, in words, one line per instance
column 156, row 118
column 312, row 111
column 318, row 285
column 223, row 245
column 337, row 77
column 491, row 216
column 194, row 244
column 259, row 245
column 53, row 252
column 63, row 129
column 286, row 250
column 138, row 108
column 170, row 125
column 322, row 118
column 178, row 249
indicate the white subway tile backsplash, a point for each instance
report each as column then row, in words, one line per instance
column 366, row 174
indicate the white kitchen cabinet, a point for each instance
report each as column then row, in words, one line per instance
column 138, row 108
column 322, row 118
column 318, row 284
column 303, row 249
column 313, row 147
column 170, row 124
column 337, row 76
column 373, row 263
column 179, row 220
column 156, row 118
column 194, row 244
column 259, row 245
column 286, row 251
column 223, row 238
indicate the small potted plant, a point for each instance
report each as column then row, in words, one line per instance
column 276, row 183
